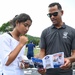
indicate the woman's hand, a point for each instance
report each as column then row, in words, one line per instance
column 26, row 65
column 23, row 65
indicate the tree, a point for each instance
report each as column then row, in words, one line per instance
column 34, row 39
column 8, row 27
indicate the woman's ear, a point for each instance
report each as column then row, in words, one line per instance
column 16, row 23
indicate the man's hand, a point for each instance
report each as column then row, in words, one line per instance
column 67, row 64
column 42, row 71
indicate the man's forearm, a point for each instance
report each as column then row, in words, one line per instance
column 72, row 58
column 42, row 53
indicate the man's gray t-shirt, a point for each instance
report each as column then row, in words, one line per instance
column 55, row 40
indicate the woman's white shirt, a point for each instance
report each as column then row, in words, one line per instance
column 7, row 45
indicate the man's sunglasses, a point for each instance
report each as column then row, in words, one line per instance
column 54, row 14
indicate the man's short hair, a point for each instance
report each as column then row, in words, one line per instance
column 55, row 3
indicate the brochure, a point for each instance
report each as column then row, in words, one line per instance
column 38, row 63
column 49, row 61
column 58, row 59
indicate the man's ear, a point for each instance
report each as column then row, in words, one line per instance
column 62, row 12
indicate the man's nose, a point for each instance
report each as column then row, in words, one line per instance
column 52, row 16
column 27, row 28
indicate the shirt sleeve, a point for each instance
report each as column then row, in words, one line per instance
column 42, row 43
column 73, row 41
column 4, row 50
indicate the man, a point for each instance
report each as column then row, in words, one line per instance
column 58, row 38
column 30, row 52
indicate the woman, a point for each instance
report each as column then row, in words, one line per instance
column 12, row 45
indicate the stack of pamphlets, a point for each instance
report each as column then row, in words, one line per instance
column 49, row 61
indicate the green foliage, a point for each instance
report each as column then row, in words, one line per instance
column 34, row 39
column 7, row 27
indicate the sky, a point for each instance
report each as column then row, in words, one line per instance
column 37, row 9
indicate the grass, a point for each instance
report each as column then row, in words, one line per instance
column 36, row 51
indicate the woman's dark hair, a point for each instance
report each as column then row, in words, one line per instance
column 20, row 18
column 55, row 3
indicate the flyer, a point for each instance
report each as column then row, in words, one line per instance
column 49, row 61
column 38, row 63
column 58, row 59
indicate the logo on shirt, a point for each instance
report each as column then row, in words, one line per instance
column 65, row 34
